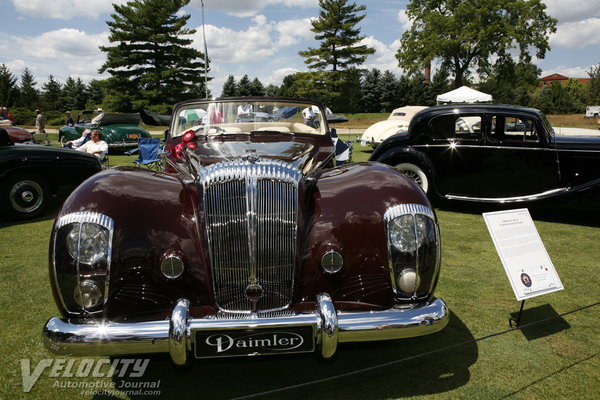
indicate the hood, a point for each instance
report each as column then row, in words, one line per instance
column 380, row 131
column 18, row 135
column 299, row 151
column 578, row 142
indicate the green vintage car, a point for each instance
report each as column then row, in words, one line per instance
column 118, row 129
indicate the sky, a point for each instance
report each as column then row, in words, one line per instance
column 260, row 38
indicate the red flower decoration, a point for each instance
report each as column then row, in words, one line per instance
column 188, row 136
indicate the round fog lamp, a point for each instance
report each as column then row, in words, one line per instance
column 408, row 280
column 87, row 294
column 172, row 267
column 332, row 262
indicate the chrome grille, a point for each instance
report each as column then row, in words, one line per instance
column 251, row 220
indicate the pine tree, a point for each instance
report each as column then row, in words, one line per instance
column 336, row 30
column 51, row 95
column 258, row 89
column 389, row 98
column 369, row 91
column 29, row 96
column 244, row 87
column 229, row 87
column 8, row 87
column 152, row 62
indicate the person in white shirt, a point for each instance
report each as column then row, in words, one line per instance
column 309, row 116
column 96, row 146
column 79, row 141
column 97, row 118
column 244, row 110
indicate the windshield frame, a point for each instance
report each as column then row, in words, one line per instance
column 224, row 116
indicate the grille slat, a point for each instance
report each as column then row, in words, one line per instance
column 251, row 220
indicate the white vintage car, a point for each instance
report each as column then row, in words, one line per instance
column 397, row 122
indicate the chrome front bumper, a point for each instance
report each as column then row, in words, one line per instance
column 175, row 335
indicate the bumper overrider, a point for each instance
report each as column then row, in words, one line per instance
column 218, row 336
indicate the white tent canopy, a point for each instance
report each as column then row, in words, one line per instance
column 464, row 94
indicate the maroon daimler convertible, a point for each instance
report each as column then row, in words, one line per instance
column 249, row 242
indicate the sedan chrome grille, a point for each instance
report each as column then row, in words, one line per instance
column 251, row 219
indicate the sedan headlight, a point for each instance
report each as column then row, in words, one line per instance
column 82, row 254
column 413, row 250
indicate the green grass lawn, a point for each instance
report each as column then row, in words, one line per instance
column 477, row 356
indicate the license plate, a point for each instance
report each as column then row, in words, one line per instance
column 133, row 136
column 243, row 342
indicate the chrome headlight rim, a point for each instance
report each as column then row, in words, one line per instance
column 416, row 217
column 81, row 218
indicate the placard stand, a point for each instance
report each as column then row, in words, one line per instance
column 515, row 323
column 523, row 255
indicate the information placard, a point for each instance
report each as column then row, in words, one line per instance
column 525, row 259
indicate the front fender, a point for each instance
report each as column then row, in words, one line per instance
column 154, row 216
column 349, row 205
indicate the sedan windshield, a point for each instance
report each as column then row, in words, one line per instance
column 245, row 116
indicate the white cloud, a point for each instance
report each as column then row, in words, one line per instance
column 384, row 57
column 61, row 53
column 261, row 40
column 404, row 20
column 249, row 8
column 572, row 10
column 577, row 34
column 64, row 9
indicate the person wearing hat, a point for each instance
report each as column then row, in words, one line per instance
column 97, row 118
column 40, row 126
column 70, row 121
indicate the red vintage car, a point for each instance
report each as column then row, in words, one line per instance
column 250, row 242
column 18, row 135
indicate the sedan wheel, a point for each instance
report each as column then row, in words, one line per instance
column 414, row 173
column 24, row 197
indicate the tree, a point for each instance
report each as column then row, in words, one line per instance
column 369, row 91
column 29, row 96
column 339, row 36
column 258, row 89
column 594, row 85
column 512, row 82
column 52, row 93
column 8, row 87
column 229, row 87
column 152, row 62
column 244, row 87
column 470, row 34
column 388, row 92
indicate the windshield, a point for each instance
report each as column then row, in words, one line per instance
column 244, row 116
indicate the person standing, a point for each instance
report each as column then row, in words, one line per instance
column 70, row 121
column 40, row 125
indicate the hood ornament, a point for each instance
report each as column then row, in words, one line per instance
column 251, row 156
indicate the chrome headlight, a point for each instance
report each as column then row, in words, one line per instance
column 82, row 254
column 87, row 242
column 413, row 250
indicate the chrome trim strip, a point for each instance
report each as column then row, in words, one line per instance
column 81, row 218
column 97, row 337
column 458, row 145
column 403, row 209
column 531, row 197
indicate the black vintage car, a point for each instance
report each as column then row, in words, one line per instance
column 250, row 242
column 492, row 154
column 31, row 174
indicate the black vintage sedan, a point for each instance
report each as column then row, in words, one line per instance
column 492, row 154
column 31, row 174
